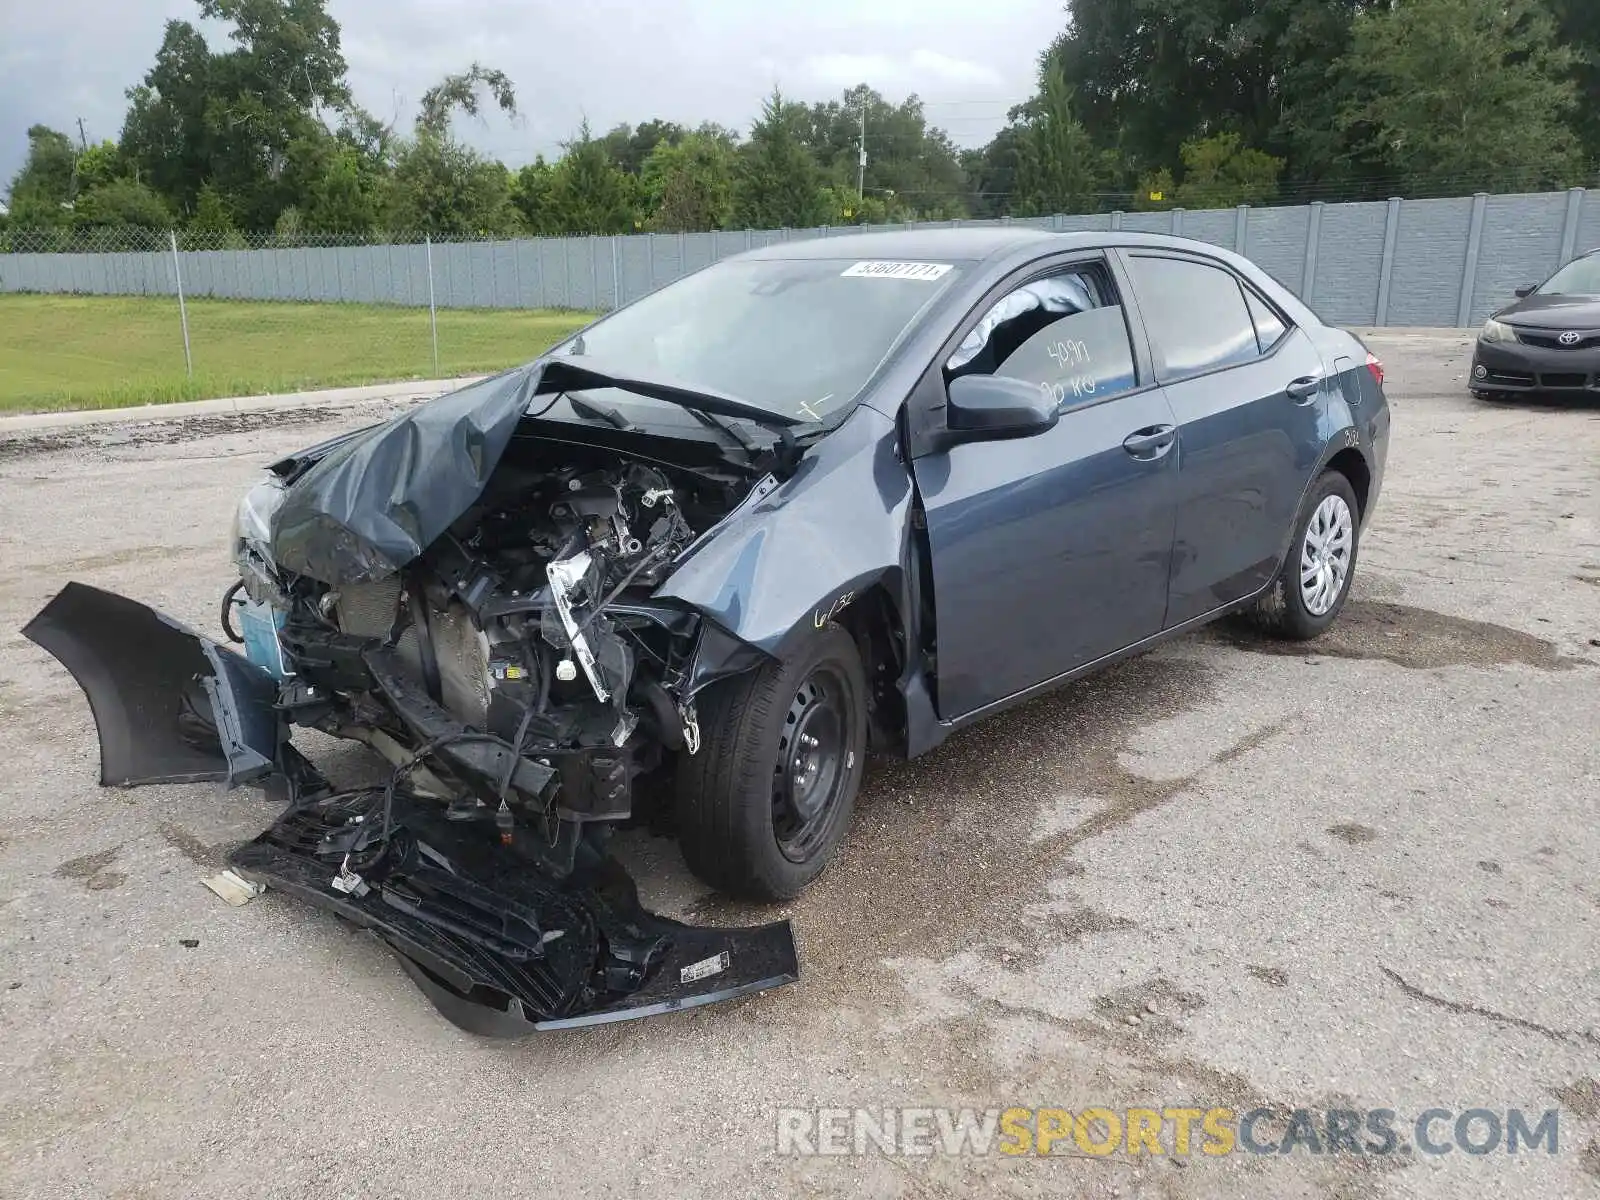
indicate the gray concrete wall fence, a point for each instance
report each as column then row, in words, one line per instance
column 1401, row 262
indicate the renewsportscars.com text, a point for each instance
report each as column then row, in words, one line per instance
column 1179, row 1131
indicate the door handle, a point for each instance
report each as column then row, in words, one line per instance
column 1150, row 442
column 1304, row 388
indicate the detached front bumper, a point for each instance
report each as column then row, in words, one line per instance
column 499, row 941
column 1517, row 367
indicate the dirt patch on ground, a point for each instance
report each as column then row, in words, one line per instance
column 1352, row 834
column 1152, row 1010
column 1271, row 976
column 1589, row 1158
column 191, row 847
column 174, row 430
column 1582, row 1097
column 933, row 877
column 1417, row 638
column 1073, row 926
column 93, row 870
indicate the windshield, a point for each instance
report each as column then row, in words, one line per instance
column 797, row 337
column 1581, row 277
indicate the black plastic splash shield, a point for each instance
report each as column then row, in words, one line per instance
column 501, row 949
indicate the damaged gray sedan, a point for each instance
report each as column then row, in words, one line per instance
column 689, row 568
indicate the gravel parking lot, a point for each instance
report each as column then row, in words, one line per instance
column 1360, row 874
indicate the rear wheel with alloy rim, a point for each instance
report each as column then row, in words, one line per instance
column 766, row 801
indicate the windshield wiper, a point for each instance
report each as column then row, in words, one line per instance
column 727, row 427
column 563, row 375
column 598, row 412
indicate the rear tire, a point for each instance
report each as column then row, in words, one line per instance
column 1314, row 580
column 766, row 801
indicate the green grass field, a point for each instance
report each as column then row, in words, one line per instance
column 109, row 351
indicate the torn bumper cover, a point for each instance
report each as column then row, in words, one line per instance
column 501, row 942
column 498, row 948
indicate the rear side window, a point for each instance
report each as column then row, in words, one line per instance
column 1196, row 315
column 1269, row 325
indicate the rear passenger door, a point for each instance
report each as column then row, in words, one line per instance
column 1247, row 388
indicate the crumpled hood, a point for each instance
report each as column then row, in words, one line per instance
column 374, row 502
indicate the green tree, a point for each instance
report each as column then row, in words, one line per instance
column 688, row 185
column 842, row 206
column 438, row 185
column 1220, row 171
column 629, row 147
column 228, row 119
column 991, row 172
column 126, row 208
column 906, row 157
column 213, row 225
column 1149, row 75
column 1464, row 93
column 99, row 165
column 530, row 194
column 344, row 198
column 444, row 188
column 778, row 184
column 289, row 230
column 46, row 181
column 1057, row 163
column 1580, row 31
column 588, row 192
column 1155, row 191
column 460, row 92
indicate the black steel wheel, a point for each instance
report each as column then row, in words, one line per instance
column 813, row 765
column 764, row 804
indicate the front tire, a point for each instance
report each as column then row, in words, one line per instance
column 1314, row 580
column 766, row 801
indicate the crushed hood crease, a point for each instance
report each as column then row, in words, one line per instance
column 375, row 502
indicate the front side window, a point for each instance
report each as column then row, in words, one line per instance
column 1195, row 313
column 1065, row 333
column 1580, row 277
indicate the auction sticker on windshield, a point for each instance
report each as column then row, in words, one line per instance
column 897, row 270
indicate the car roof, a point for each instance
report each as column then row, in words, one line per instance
column 966, row 243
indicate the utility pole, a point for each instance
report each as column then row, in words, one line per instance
column 83, row 140
column 861, row 168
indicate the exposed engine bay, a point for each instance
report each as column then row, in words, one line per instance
column 519, row 675
column 529, row 620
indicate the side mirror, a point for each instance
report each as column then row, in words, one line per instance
column 991, row 407
column 1523, row 293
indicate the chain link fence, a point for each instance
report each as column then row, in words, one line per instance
column 131, row 316
column 105, row 318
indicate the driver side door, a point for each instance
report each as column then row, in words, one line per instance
column 1051, row 551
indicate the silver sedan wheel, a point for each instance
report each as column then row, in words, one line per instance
column 1325, row 555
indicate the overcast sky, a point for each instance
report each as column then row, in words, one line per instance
column 683, row 60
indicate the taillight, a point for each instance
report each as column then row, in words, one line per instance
column 1375, row 365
